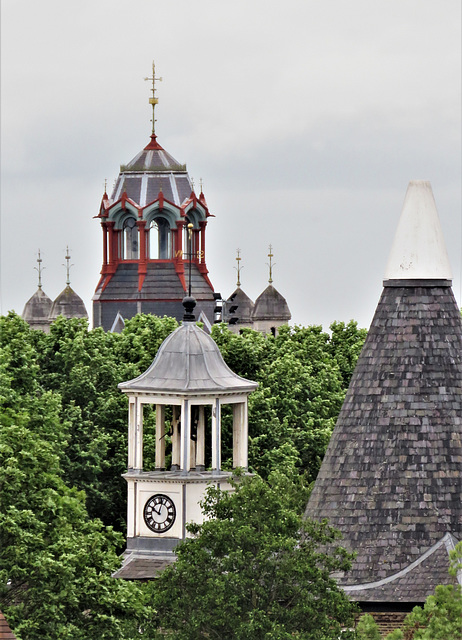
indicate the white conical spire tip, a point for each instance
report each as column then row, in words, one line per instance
column 418, row 250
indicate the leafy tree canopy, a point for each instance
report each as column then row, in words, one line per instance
column 255, row 569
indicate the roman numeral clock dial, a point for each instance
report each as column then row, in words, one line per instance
column 159, row 513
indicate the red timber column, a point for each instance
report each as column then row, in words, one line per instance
column 113, row 255
column 202, row 266
column 104, row 228
column 178, row 256
column 142, row 262
column 196, row 246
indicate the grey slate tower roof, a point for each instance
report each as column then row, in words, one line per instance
column 244, row 304
column 271, row 305
column 152, row 170
column 391, row 477
column 37, row 310
column 69, row 305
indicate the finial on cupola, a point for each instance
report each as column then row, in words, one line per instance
column 153, row 100
column 270, row 265
column 238, row 268
column 39, row 269
column 419, row 251
column 68, row 266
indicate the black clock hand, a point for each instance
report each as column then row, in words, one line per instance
column 160, row 510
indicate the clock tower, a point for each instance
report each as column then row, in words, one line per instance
column 187, row 385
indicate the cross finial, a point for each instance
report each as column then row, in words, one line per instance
column 153, row 100
column 238, row 268
column 271, row 265
column 39, row 269
column 68, row 266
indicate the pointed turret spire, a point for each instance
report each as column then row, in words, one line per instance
column 419, row 250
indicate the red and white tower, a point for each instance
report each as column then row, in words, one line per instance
column 146, row 243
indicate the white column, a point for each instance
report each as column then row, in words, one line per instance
column 131, row 433
column 160, row 437
column 131, row 515
column 240, row 435
column 216, row 436
column 200, row 442
column 176, row 445
column 185, row 462
column 138, row 434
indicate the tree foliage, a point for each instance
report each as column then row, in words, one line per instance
column 63, row 448
column 255, row 569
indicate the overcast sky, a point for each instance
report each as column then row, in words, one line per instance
column 305, row 119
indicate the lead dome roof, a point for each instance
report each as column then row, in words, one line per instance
column 189, row 361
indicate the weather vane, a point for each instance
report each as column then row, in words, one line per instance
column 153, row 100
column 68, row 266
column 238, row 268
column 270, row 265
column 39, row 269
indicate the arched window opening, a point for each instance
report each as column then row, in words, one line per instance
column 130, row 234
column 160, row 240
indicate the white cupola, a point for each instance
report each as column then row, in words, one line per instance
column 190, row 381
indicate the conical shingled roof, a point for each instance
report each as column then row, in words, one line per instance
column 189, row 361
column 391, row 476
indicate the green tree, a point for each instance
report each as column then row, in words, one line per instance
column 367, row 628
column 255, row 570
column 441, row 616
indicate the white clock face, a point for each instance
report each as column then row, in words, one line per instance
column 159, row 513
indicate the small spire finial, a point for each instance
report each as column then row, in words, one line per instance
column 153, row 100
column 192, row 184
column 39, row 269
column 68, row 266
column 200, row 184
column 105, row 185
column 270, row 265
column 238, row 268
